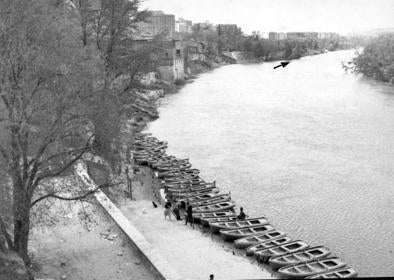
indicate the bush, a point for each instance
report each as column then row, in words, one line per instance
column 179, row 82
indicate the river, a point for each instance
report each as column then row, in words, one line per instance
column 308, row 146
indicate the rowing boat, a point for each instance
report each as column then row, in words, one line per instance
column 230, row 235
column 311, row 268
column 215, row 227
column 251, row 250
column 257, row 238
column 345, row 272
column 204, row 217
column 206, row 221
column 291, row 247
column 218, row 199
column 307, row 255
column 215, row 207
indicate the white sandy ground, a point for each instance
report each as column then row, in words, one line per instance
column 191, row 252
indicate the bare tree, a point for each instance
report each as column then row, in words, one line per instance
column 109, row 26
column 46, row 79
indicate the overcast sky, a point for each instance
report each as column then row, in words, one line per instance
column 343, row 16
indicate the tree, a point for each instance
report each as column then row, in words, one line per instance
column 109, row 25
column 377, row 59
column 45, row 91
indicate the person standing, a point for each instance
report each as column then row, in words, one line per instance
column 189, row 216
column 167, row 209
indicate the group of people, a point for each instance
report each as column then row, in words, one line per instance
column 187, row 209
column 177, row 210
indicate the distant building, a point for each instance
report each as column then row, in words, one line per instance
column 302, row 35
column 228, row 29
column 277, row 35
column 256, row 34
column 194, row 50
column 158, row 23
column 169, row 55
column 183, row 26
column 204, row 26
column 328, row 35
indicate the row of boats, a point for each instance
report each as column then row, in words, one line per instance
column 211, row 208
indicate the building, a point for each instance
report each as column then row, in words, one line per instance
column 158, row 23
column 204, row 26
column 169, row 57
column 194, row 51
column 228, row 29
column 302, row 35
column 328, row 36
column 277, row 36
column 183, row 26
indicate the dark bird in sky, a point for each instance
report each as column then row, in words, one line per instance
column 154, row 204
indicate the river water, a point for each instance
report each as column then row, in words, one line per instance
column 308, row 146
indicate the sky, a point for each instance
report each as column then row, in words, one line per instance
column 342, row 16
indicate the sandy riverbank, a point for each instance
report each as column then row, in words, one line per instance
column 193, row 253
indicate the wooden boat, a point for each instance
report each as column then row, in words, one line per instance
column 202, row 197
column 307, row 255
column 230, row 235
column 215, row 227
column 185, row 196
column 218, row 199
column 215, row 207
column 345, row 272
column 291, row 247
column 311, row 268
column 251, row 250
column 206, row 222
column 189, row 188
column 205, row 216
column 258, row 238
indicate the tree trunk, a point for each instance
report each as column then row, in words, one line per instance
column 21, row 222
column 21, row 236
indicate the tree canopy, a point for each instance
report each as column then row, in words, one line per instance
column 377, row 59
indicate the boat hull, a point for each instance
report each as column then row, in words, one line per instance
column 257, row 238
column 309, row 254
column 231, row 235
column 311, row 268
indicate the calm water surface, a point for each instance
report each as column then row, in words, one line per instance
column 308, row 146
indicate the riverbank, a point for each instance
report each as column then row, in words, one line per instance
column 181, row 244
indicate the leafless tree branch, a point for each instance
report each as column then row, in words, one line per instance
column 79, row 197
